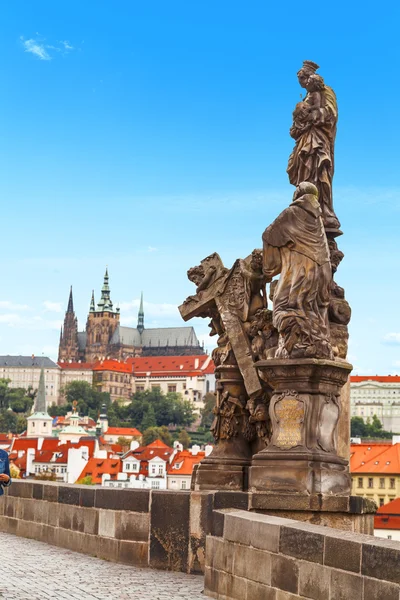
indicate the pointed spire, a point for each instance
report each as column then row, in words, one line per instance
column 70, row 308
column 92, row 304
column 41, row 394
column 61, row 334
column 140, row 324
column 105, row 300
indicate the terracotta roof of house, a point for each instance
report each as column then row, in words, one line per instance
column 184, row 462
column 113, row 365
column 76, row 366
column 122, row 431
column 55, row 446
column 96, row 467
column 24, row 443
column 388, row 516
column 379, row 378
column 183, row 366
column 375, row 458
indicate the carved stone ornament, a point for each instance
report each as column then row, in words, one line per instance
column 288, row 412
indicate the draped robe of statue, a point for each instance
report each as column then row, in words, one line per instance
column 312, row 158
column 295, row 246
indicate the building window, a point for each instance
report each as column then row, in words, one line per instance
column 161, row 469
column 370, row 482
column 381, row 501
column 183, row 486
column 172, row 388
column 155, row 387
column 392, row 483
column 140, row 388
column 155, row 485
column 128, row 467
column 382, row 483
column 360, row 482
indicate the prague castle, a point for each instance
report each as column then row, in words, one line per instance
column 105, row 337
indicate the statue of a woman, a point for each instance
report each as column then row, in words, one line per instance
column 314, row 130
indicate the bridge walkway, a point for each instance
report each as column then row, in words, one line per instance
column 31, row 570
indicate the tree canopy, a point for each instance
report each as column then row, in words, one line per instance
column 369, row 429
column 15, row 405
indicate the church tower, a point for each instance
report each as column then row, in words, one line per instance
column 68, row 348
column 101, row 324
column 140, row 323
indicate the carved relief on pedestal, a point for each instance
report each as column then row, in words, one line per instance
column 328, row 421
column 287, row 416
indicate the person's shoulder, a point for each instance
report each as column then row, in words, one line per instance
column 3, row 454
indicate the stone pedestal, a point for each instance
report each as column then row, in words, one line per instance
column 226, row 467
column 305, row 411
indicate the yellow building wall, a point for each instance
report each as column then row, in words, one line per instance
column 382, row 494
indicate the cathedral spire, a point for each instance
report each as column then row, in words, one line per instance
column 92, row 303
column 140, row 324
column 70, row 308
column 105, row 300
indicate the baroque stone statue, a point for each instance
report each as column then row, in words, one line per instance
column 314, row 131
column 296, row 247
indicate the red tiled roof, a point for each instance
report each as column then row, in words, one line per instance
column 388, row 516
column 76, row 366
column 156, row 449
column 186, row 460
column 379, row 378
column 375, row 458
column 24, row 443
column 113, row 365
column 183, row 366
column 96, row 467
column 122, row 431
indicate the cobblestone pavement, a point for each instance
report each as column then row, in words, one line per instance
column 31, row 570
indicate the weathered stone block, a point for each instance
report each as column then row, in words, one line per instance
column 135, row 500
column 21, row 489
column 52, row 510
column 303, row 544
column 380, row 590
column 87, row 496
column 345, row 586
column 284, row 573
column 107, row 523
column 50, row 492
column 314, row 581
column 382, row 562
column 258, row 591
column 134, row 553
column 170, row 530
column 37, row 491
column 252, row 564
column 68, row 495
column 132, row 526
column 342, row 553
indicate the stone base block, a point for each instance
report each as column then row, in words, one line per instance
column 302, row 474
column 210, row 476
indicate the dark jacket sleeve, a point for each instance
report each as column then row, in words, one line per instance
column 7, row 472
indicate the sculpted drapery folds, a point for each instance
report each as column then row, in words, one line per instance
column 296, row 247
column 314, row 130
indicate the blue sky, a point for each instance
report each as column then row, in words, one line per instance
column 145, row 135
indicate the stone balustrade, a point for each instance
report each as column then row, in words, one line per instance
column 271, row 558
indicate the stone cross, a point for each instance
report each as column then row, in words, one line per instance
column 217, row 294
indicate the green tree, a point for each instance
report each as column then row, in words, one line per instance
column 357, row 427
column 8, row 422
column 149, row 418
column 184, row 439
column 85, row 480
column 207, row 415
column 4, row 391
column 59, row 411
column 89, row 401
column 21, row 424
column 157, row 433
column 19, row 402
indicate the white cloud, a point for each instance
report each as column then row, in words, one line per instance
column 12, row 306
column 42, row 50
column 151, row 310
column 36, row 48
column 151, row 249
column 67, row 45
column 392, row 339
column 53, row 306
column 11, row 319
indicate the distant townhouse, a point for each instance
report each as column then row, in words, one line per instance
column 24, row 372
column 115, row 378
column 113, row 434
column 375, row 471
column 190, row 376
column 179, row 472
column 376, row 395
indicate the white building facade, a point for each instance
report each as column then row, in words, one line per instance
column 24, row 372
column 376, row 395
